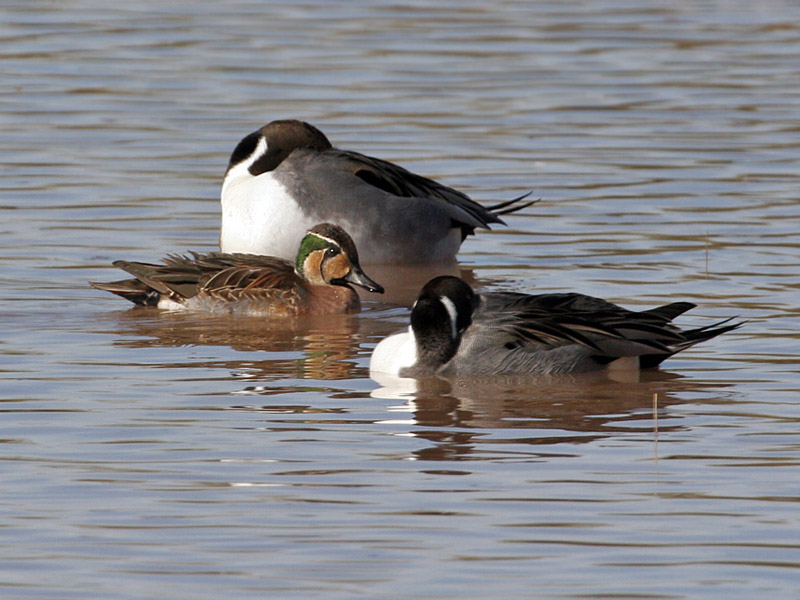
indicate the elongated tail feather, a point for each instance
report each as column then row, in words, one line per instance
column 130, row 289
column 692, row 337
column 511, row 206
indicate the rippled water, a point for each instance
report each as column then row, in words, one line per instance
column 149, row 455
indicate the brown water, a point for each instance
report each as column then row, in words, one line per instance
column 149, row 455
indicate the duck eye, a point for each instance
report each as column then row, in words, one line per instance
column 331, row 251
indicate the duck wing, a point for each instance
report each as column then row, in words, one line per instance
column 532, row 323
column 250, row 276
column 401, row 182
column 215, row 274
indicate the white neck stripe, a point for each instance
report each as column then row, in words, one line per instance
column 260, row 150
column 241, row 171
column 453, row 312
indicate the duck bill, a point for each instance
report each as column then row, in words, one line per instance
column 357, row 277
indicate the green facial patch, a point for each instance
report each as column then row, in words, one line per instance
column 311, row 243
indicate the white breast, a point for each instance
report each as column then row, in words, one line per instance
column 259, row 216
column 394, row 353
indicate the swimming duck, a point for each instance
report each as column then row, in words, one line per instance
column 319, row 281
column 456, row 331
column 287, row 176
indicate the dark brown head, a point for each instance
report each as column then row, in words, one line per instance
column 265, row 149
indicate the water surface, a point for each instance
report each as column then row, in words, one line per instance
column 157, row 455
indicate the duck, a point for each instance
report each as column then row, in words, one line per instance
column 287, row 175
column 318, row 282
column 456, row 331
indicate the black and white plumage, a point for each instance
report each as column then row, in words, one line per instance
column 287, row 176
column 456, row 331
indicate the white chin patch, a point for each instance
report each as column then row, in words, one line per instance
column 453, row 312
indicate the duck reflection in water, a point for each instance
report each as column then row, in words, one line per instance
column 465, row 415
column 324, row 347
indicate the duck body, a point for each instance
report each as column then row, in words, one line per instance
column 318, row 283
column 455, row 331
column 287, row 176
